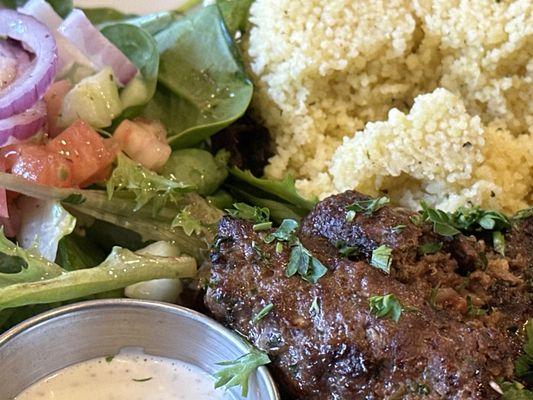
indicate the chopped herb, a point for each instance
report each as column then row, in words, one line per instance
column 398, row 228
column 482, row 261
column 498, row 241
column 421, row 388
column 262, row 226
column 219, row 240
column 433, row 296
column 382, row 258
column 74, row 198
column 524, row 363
column 301, row 261
column 314, row 306
column 385, row 306
column 262, row 255
column 442, row 221
column 237, row 372
column 473, row 311
column 108, row 359
column 368, row 207
column 347, row 251
column 284, row 233
column 429, row 248
column 523, row 214
column 244, row 211
column 279, row 247
column 142, row 379
column 261, row 314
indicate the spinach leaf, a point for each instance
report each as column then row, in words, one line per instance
column 235, row 14
column 202, row 84
column 75, row 252
column 62, row 7
column 141, row 49
column 284, row 189
column 102, row 15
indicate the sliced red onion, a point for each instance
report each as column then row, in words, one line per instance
column 83, row 34
column 42, row 11
column 14, row 61
column 24, row 125
column 30, row 86
column 68, row 53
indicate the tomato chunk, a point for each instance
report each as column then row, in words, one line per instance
column 88, row 152
column 39, row 164
column 144, row 142
column 54, row 98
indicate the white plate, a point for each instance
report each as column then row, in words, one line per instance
column 133, row 6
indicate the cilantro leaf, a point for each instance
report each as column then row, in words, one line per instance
column 471, row 310
column 262, row 314
column 385, row 306
column 498, row 242
column 256, row 215
column 368, row 207
column 382, row 258
column 347, row 251
column 284, row 233
column 301, row 261
column 523, row 214
column 514, row 391
column 429, row 248
column 237, row 372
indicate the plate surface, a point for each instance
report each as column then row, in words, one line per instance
column 133, row 6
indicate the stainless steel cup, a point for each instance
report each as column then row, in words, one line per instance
column 56, row 339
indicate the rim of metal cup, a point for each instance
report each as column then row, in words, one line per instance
column 205, row 321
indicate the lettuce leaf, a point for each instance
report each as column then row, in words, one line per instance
column 146, row 185
column 44, row 223
column 31, row 279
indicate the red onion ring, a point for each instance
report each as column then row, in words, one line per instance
column 84, row 35
column 42, row 11
column 29, row 87
column 24, row 125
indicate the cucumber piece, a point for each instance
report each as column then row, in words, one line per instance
column 94, row 99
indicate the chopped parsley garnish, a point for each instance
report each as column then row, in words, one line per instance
column 429, row 248
column 523, row 214
column 524, row 363
column 142, row 379
column 108, row 359
column 262, row 226
column 498, row 241
column 465, row 219
column 368, row 207
column 473, row 311
column 442, row 222
column 284, row 233
column 301, row 260
column 398, row 228
column 262, row 255
column 347, row 251
column 279, row 247
column 262, row 314
column 237, row 372
column 385, row 306
column 314, row 306
column 244, row 211
column 382, row 258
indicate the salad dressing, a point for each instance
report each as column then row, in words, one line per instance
column 130, row 375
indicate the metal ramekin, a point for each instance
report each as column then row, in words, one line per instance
column 56, row 339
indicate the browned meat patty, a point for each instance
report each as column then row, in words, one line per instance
column 324, row 341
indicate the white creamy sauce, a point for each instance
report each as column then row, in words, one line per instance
column 130, row 375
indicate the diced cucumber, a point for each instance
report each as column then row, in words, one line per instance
column 94, row 99
column 135, row 93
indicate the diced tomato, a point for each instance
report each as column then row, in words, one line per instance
column 144, row 142
column 38, row 164
column 54, row 99
column 88, row 152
